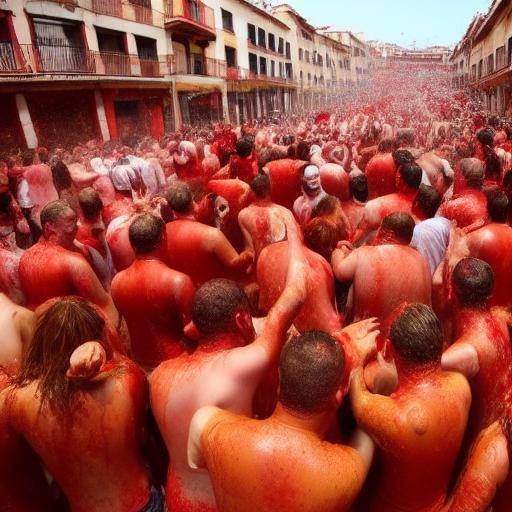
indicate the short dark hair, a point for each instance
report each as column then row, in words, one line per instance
column 402, row 157
column 27, row 156
column 411, row 174
column 90, row 203
column 145, row 233
column 53, row 211
column 486, row 137
column 473, row 171
column 302, row 151
column 5, row 203
column 428, row 200
column 179, row 197
column 401, row 224
column 497, row 205
column 61, row 176
column 473, row 281
column 260, row 185
column 215, row 304
column 406, row 136
column 311, row 370
column 244, row 147
column 493, row 121
column 386, row 145
column 359, row 187
column 326, row 206
column 322, row 235
column 416, row 334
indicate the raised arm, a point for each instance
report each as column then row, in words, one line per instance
column 462, row 358
column 227, row 254
column 344, row 263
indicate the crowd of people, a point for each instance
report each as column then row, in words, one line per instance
column 308, row 312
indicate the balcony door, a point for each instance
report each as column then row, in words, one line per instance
column 7, row 58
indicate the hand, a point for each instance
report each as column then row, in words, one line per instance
column 457, row 248
column 364, row 337
column 85, row 362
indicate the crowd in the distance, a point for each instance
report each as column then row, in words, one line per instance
column 302, row 313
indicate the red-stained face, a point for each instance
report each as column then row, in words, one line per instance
column 65, row 227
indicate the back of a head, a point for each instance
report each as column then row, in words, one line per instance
column 473, row 172
column 303, row 150
column 486, row 137
column 260, row 185
column 400, row 224
column 61, row 329
column 146, row 232
column 494, row 122
column 311, row 371
column 386, row 146
column 416, row 335
column 411, row 175
column 359, row 187
column 27, row 157
column 327, row 206
column 402, row 157
column 244, row 147
column 473, row 282
column 215, row 306
column 405, row 137
column 54, row 211
column 61, row 176
column 179, row 197
column 321, row 235
column 428, row 200
column 90, row 203
column 497, row 205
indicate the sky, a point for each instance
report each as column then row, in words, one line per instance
column 404, row 22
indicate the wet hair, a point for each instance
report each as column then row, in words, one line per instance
column 416, row 334
column 473, row 281
column 145, row 233
column 507, row 179
column 411, row 174
column 497, row 205
column 27, row 157
column 179, row 197
column 61, row 176
column 406, row 136
column 90, row 203
column 473, row 172
column 302, row 150
column 493, row 121
column 61, row 329
column 260, row 185
column 428, row 200
column 402, row 157
column 326, row 206
column 359, row 187
column 400, row 224
column 215, row 304
column 311, row 371
column 486, row 137
column 54, row 211
column 244, row 147
column 5, row 203
column 322, row 235
column 386, row 146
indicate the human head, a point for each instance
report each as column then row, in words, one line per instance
column 327, row 206
column 494, row 122
column 386, row 146
column 61, row 329
column 405, row 137
column 359, row 187
column 220, row 306
column 27, row 157
column 497, row 205
column 260, row 185
column 61, row 176
column 402, row 157
column 59, row 223
column 399, row 225
column 244, row 147
column 90, row 203
column 416, row 335
column 486, row 137
column 311, row 369
column 311, row 183
column 471, row 173
column 410, row 175
column 322, row 235
column 179, row 197
column 427, row 201
column 473, row 282
column 146, row 233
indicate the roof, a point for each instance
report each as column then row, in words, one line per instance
column 496, row 9
column 302, row 21
column 264, row 13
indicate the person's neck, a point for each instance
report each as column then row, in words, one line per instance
column 384, row 237
column 189, row 215
column 53, row 240
column 220, row 342
column 411, row 374
column 316, row 423
column 150, row 256
column 406, row 191
column 465, row 317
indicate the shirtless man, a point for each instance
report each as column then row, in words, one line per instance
column 283, row 463
column 312, row 194
column 354, row 207
column 468, row 206
column 420, row 427
column 437, row 169
column 54, row 266
column 263, row 222
column 490, row 243
column 377, row 272
column 408, row 183
column 200, row 251
column 89, row 437
column 225, row 370
column 155, row 300
column 482, row 349
column 381, row 171
column 244, row 164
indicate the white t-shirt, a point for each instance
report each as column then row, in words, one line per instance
column 430, row 239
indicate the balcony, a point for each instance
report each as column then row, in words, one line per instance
column 190, row 18
column 197, row 64
column 48, row 59
column 242, row 74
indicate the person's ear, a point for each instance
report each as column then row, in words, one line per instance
column 243, row 321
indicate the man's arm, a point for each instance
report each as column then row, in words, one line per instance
column 184, row 298
column 364, row 445
column 81, row 177
column 227, row 254
column 249, row 245
column 197, row 426
column 463, row 358
column 344, row 263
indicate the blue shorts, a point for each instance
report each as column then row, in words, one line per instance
column 156, row 501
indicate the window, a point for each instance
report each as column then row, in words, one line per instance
column 473, row 72
column 500, row 57
column 230, row 57
column 253, row 63
column 272, row 68
column 509, row 50
column 307, row 55
column 227, row 20
column 309, row 78
column 306, row 35
column 280, row 48
column 272, row 42
column 251, row 30
column 288, row 51
column 480, row 68
column 281, row 70
column 262, row 38
column 288, row 68
column 490, row 63
column 320, row 60
column 301, row 77
column 263, row 66
column 301, row 54
column 327, row 60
